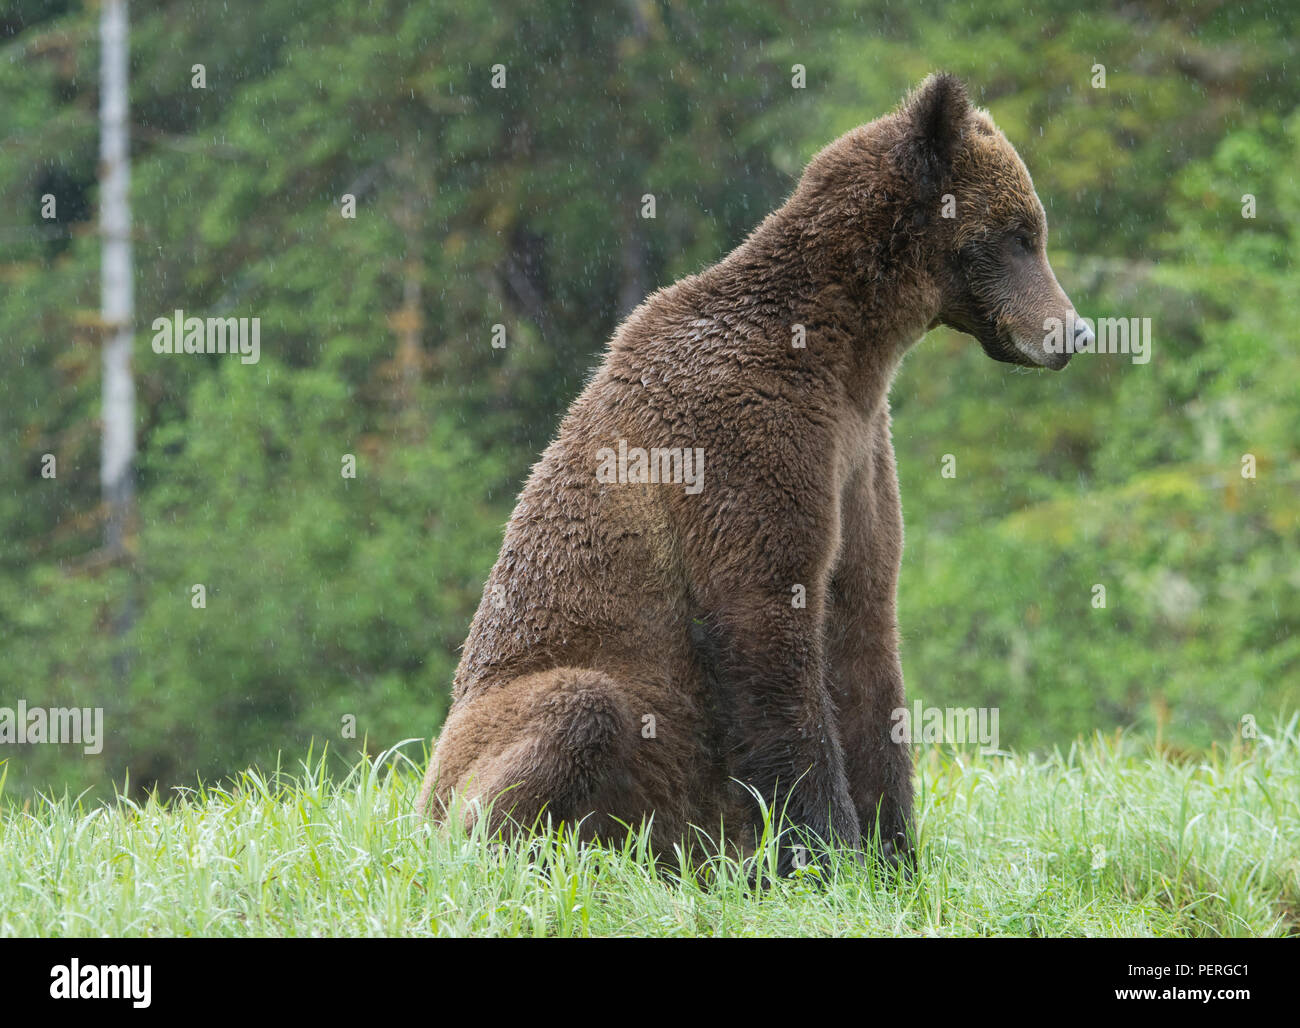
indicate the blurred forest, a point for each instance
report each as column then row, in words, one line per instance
column 330, row 597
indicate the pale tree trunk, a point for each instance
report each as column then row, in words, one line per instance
column 634, row 260
column 118, row 413
column 117, row 417
column 634, row 281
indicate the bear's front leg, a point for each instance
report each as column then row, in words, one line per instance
column 762, row 642
column 782, row 733
column 864, row 669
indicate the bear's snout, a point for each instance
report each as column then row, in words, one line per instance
column 1083, row 335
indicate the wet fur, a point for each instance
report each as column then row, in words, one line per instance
column 622, row 601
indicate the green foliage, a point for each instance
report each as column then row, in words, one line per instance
column 329, row 596
column 1128, row 476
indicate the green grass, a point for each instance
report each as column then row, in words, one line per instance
column 1111, row 838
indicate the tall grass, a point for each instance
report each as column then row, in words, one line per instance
column 1112, row 837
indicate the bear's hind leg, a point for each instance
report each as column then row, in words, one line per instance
column 555, row 745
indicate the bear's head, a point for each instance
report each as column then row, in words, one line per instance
column 983, row 233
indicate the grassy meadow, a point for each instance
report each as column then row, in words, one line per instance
column 1112, row 837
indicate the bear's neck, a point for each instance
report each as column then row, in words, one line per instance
column 862, row 295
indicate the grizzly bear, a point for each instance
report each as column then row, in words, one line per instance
column 694, row 605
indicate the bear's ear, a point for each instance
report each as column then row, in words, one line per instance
column 935, row 115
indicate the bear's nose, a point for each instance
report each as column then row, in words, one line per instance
column 1083, row 337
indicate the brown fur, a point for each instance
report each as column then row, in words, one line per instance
column 611, row 602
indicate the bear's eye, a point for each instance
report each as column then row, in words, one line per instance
column 1023, row 243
